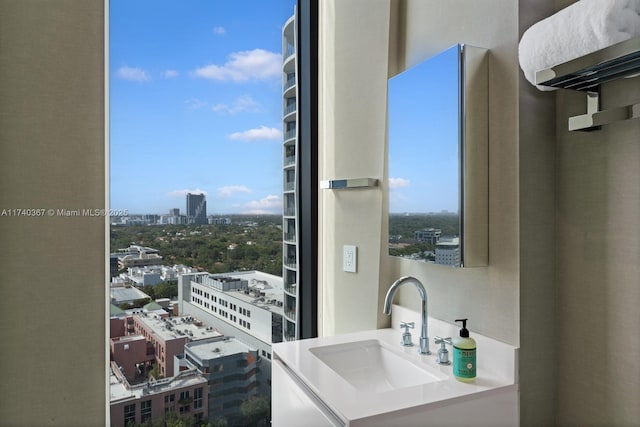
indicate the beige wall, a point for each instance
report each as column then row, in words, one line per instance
column 52, row 311
column 598, row 267
column 537, row 195
column 353, row 75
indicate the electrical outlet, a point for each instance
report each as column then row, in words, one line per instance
column 349, row 258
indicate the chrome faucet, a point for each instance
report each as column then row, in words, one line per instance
column 388, row 299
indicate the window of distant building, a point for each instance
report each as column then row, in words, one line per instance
column 145, row 411
column 129, row 414
column 197, row 398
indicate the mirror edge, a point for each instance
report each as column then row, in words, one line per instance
column 474, row 150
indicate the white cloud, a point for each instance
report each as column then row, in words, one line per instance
column 230, row 190
column 258, row 134
column 257, row 64
column 219, row 31
column 133, row 74
column 267, row 205
column 195, row 103
column 240, row 105
column 183, row 193
column 170, row 74
column 398, row 182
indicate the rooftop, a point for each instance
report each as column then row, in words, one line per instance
column 169, row 328
column 123, row 293
column 448, row 242
column 137, row 249
column 265, row 290
column 215, row 348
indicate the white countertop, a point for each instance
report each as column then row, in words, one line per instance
column 352, row 404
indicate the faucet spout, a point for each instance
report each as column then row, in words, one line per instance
column 388, row 300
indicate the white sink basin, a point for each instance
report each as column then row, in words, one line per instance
column 372, row 367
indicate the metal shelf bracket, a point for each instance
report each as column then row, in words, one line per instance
column 587, row 73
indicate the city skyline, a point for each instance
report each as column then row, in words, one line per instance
column 195, row 105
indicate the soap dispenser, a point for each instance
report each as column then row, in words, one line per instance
column 464, row 355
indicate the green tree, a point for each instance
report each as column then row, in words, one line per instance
column 139, row 303
column 219, row 422
column 255, row 409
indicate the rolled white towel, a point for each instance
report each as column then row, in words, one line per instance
column 579, row 29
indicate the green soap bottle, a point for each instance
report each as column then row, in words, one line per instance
column 464, row 355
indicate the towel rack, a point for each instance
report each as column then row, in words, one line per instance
column 338, row 184
column 588, row 72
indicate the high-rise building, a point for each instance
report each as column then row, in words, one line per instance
column 196, row 209
column 290, row 274
column 448, row 251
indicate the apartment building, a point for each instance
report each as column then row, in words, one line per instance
column 245, row 305
column 290, row 177
column 185, row 394
column 448, row 251
column 138, row 256
column 428, row 235
column 167, row 336
column 231, row 369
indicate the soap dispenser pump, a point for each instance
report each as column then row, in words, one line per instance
column 464, row 355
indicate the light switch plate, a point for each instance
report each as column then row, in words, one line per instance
column 349, row 258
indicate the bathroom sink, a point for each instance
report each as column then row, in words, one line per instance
column 372, row 367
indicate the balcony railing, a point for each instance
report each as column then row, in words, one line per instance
column 289, row 109
column 289, row 52
column 290, row 262
column 289, row 237
column 290, row 82
column 289, row 186
column 289, row 212
column 291, row 314
column 290, row 160
column 291, row 288
column 290, row 134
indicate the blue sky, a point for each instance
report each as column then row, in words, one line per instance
column 423, row 133
column 196, row 104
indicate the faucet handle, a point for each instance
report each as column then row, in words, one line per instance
column 443, row 353
column 406, row 336
column 407, row 325
column 442, row 341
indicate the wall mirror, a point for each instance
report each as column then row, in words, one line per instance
column 438, row 159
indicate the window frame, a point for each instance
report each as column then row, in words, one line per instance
column 307, row 64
